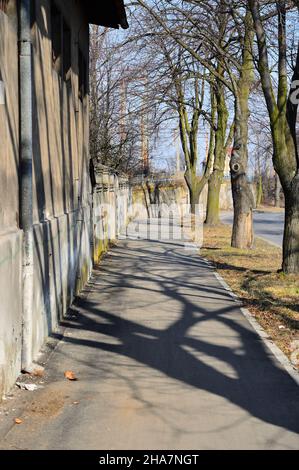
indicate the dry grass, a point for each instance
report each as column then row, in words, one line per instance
column 272, row 297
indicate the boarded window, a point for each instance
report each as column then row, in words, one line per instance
column 83, row 84
column 56, row 35
column 67, row 51
column 4, row 5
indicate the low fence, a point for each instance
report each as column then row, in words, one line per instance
column 112, row 202
column 151, row 192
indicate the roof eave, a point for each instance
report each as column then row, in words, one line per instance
column 110, row 14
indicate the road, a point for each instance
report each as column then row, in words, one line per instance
column 267, row 225
column 164, row 358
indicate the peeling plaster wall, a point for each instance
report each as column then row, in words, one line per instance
column 10, row 235
column 61, row 184
column 62, row 189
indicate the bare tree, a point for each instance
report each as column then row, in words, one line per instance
column 200, row 40
column 176, row 84
column 222, row 143
column 282, row 105
column 122, row 120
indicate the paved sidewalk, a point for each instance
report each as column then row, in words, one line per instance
column 165, row 360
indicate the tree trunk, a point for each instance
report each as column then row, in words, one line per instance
column 194, row 198
column 215, row 180
column 213, row 203
column 290, row 263
column 243, row 200
column 282, row 111
column 242, row 236
column 195, row 186
column 259, row 196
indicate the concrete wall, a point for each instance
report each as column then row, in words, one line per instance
column 61, row 183
column 62, row 203
column 10, row 235
column 111, row 209
column 226, row 198
column 175, row 193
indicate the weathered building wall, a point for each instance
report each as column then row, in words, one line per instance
column 10, row 235
column 63, row 198
column 61, row 181
column 62, row 225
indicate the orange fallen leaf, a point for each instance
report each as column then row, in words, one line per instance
column 69, row 374
column 18, row 421
column 38, row 373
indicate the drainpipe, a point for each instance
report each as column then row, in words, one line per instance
column 26, row 216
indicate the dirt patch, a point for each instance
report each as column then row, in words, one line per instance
column 48, row 404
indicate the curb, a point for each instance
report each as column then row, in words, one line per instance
column 277, row 245
column 279, row 355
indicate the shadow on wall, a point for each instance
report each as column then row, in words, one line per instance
column 10, row 235
column 62, row 202
column 61, row 186
column 69, row 236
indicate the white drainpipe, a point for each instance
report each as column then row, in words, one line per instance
column 26, row 214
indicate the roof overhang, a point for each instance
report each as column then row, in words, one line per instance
column 108, row 13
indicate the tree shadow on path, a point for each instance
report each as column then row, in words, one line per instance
column 157, row 274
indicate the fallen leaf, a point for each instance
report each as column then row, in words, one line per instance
column 38, row 373
column 18, row 421
column 69, row 374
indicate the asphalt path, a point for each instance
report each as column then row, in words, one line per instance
column 165, row 359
